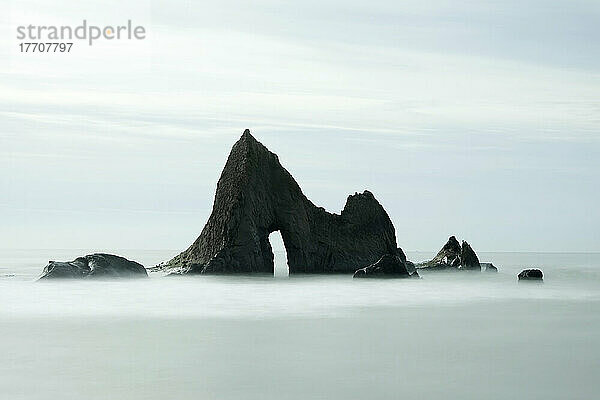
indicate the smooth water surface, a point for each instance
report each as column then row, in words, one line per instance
column 445, row 336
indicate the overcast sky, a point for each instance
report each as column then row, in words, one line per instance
column 478, row 119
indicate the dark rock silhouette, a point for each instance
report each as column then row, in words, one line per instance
column 531, row 275
column 468, row 258
column 388, row 266
column 448, row 256
column 453, row 256
column 488, row 267
column 94, row 266
column 400, row 253
column 256, row 196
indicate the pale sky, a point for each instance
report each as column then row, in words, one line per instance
column 475, row 119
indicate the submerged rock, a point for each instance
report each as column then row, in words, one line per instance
column 533, row 274
column 488, row 267
column 94, row 266
column 256, row 196
column 453, row 256
column 388, row 266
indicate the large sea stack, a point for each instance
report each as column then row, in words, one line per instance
column 256, row 196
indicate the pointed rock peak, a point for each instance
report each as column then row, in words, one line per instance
column 469, row 259
column 247, row 135
column 246, row 145
column 452, row 242
column 250, row 140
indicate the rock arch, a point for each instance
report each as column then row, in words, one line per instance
column 256, row 196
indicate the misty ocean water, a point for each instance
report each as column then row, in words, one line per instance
column 445, row 336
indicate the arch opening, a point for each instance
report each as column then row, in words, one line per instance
column 280, row 262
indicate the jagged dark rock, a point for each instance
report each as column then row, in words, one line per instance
column 488, row 267
column 447, row 257
column 533, row 274
column 256, row 196
column 468, row 258
column 388, row 266
column 453, row 256
column 400, row 253
column 94, row 266
column 411, row 265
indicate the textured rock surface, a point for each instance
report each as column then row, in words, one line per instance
column 256, row 196
column 448, row 256
column 468, row 258
column 388, row 266
column 488, row 267
column 94, row 266
column 453, row 256
column 400, row 253
column 531, row 275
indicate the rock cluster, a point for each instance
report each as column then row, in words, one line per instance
column 94, row 266
column 256, row 196
column 453, row 256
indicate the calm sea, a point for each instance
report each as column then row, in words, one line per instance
column 445, row 336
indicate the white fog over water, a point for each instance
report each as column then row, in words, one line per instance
column 447, row 335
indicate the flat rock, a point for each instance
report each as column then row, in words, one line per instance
column 388, row 266
column 533, row 274
column 94, row 266
column 255, row 196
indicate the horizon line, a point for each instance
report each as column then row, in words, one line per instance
column 415, row 251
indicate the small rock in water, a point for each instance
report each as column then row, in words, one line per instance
column 533, row 274
column 94, row 266
column 488, row 267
